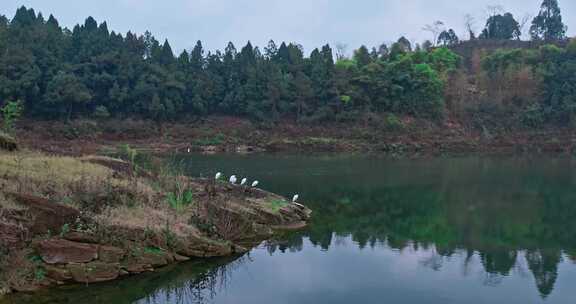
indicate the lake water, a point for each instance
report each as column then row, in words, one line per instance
column 443, row 230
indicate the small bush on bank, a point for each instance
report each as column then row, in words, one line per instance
column 11, row 112
column 393, row 123
column 277, row 204
column 81, row 129
column 180, row 199
column 214, row 140
column 101, row 112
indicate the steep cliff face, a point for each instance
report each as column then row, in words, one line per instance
column 90, row 237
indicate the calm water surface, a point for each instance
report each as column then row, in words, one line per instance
column 448, row 230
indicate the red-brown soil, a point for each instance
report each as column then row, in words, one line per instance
column 225, row 134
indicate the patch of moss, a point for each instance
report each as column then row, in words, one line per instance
column 153, row 250
column 276, row 205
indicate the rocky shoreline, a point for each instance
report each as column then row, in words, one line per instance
column 53, row 243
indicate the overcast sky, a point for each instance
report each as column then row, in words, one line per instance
column 311, row 23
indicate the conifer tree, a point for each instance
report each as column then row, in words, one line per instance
column 548, row 24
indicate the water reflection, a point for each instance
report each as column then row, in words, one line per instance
column 497, row 264
column 501, row 226
column 201, row 288
column 499, row 210
column 193, row 282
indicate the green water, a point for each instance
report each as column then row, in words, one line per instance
column 447, row 230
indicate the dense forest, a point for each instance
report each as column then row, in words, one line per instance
column 90, row 71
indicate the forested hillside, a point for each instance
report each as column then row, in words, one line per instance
column 93, row 72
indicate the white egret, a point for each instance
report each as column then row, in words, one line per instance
column 243, row 182
column 233, row 179
column 218, row 176
column 188, row 150
column 254, row 184
column 295, row 198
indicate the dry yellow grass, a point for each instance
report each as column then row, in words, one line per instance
column 115, row 199
column 63, row 170
column 141, row 217
column 8, row 204
column 132, row 201
column 98, row 157
column 61, row 176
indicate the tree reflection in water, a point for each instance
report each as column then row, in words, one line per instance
column 200, row 289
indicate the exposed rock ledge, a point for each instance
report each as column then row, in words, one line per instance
column 46, row 231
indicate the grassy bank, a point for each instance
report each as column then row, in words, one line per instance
column 92, row 219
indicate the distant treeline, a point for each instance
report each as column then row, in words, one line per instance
column 90, row 71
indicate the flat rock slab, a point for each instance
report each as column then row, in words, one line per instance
column 81, row 237
column 94, row 272
column 48, row 216
column 154, row 259
column 205, row 249
column 134, row 266
column 180, row 258
column 58, row 273
column 58, row 251
column 110, row 254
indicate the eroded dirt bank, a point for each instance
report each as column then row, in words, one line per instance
column 225, row 134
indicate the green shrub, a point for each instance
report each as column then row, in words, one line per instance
column 127, row 153
column 79, row 129
column 501, row 60
column 101, row 112
column 64, row 230
column 345, row 99
column 444, row 60
column 153, row 250
column 180, row 198
column 277, row 204
column 215, row 140
column 533, row 116
column 393, row 123
column 11, row 112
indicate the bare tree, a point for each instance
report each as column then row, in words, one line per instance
column 470, row 25
column 341, row 51
column 493, row 10
column 435, row 29
column 383, row 50
column 524, row 29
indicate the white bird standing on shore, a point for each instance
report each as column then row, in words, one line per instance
column 295, row 198
column 218, row 176
column 233, row 179
column 254, row 184
column 243, row 182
